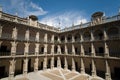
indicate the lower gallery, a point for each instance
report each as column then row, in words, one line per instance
column 30, row 50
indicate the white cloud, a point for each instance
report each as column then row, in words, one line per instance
column 26, row 7
column 65, row 19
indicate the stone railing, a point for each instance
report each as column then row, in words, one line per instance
column 25, row 21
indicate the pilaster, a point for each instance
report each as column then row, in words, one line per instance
column 82, row 50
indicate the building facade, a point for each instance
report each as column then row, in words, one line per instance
column 27, row 45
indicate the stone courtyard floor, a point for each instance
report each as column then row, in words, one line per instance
column 55, row 74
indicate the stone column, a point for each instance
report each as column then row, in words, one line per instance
column 45, row 38
column 82, row 50
column 12, row 69
column 13, row 48
column 14, row 33
column 52, row 38
column 45, row 49
column 58, row 49
column 52, row 49
column 65, row 39
column 52, row 62
column 105, row 34
column 73, row 64
column 37, row 37
column 92, row 37
column 36, row 65
column 1, row 31
column 59, row 40
column 92, row 49
column 37, row 48
column 108, row 73
column 45, row 63
column 27, row 35
column 81, row 36
column 93, row 68
column 106, row 50
column 26, row 49
column 58, row 62
column 25, row 67
column 73, row 49
column 66, row 50
column 82, row 67
column 66, row 64
column 73, row 40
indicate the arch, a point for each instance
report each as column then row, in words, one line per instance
column 62, row 38
column 5, row 48
column 69, row 38
column 77, row 37
column 20, row 48
column 31, row 48
column 98, row 35
column 86, row 36
column 113, row 32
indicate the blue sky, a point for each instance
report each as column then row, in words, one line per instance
column 65, row 12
